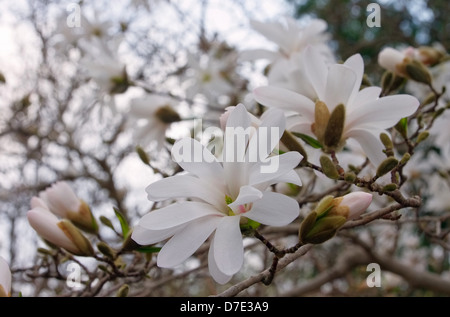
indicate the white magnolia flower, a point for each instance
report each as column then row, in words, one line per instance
column 62, row 201
column 5, row 278
column 362, row 114
column 286, row 69
column 102, row 62
column 59, row 232
column 223, row 196
column 210, row 75
column 290, row 38
column 150, row 117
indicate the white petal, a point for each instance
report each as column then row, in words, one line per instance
column 185, row 242
column 239, row 117
column 267, row 135
column 274, row 209
column 382, row 113
column 289, row 177
column 357, row 203
column 247, row 194
column 218, row 275
column 363, row 96
column 276, row 167
column 193, row 157
column 144, row 236
column 356, row 63
column 341, row 81
column 176, row 214
column 5, row 276
column 46, row 225
column 185, row 186
column 316, row 70
column 236, row 176
column 228, row 247
column 285, row 99
column 370, row 143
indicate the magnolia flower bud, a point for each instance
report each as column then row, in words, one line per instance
column 350, row 206
column 389, row 58
column 386, row 166
column 62, row 201
column 167, row 114
column 330, row 214
column 5, row 279
column 328, row 167
column 61, row 233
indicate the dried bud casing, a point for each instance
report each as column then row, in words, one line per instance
column 335, row 128
column 84, row 247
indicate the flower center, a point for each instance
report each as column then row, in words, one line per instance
column 241, row 209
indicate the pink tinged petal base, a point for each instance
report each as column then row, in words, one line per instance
column 228, row 246
column 247, row 194
column 274, row 209
column 184, row 243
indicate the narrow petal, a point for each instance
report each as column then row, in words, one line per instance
column 247, row 194
column 228, row 247
column 356, row 63
column 267, row 135
column 185, row 186
column 275, row 167
column 370, row 143
column 274, row 209
column 341, row 81
column 177, row 214
column 316, row 70
column 217, row 275
column 363, row 96
column 383, row 112
column 239, row 117
column 5, row 276
column 289, row 177
column 185, row 242
column 144, row 236
column 193, row 157
column 286, row 100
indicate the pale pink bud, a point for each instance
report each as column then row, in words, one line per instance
column 5, row 279
column 47, row 225
column 61, row 200
column 390, row 59
column 352, row 205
